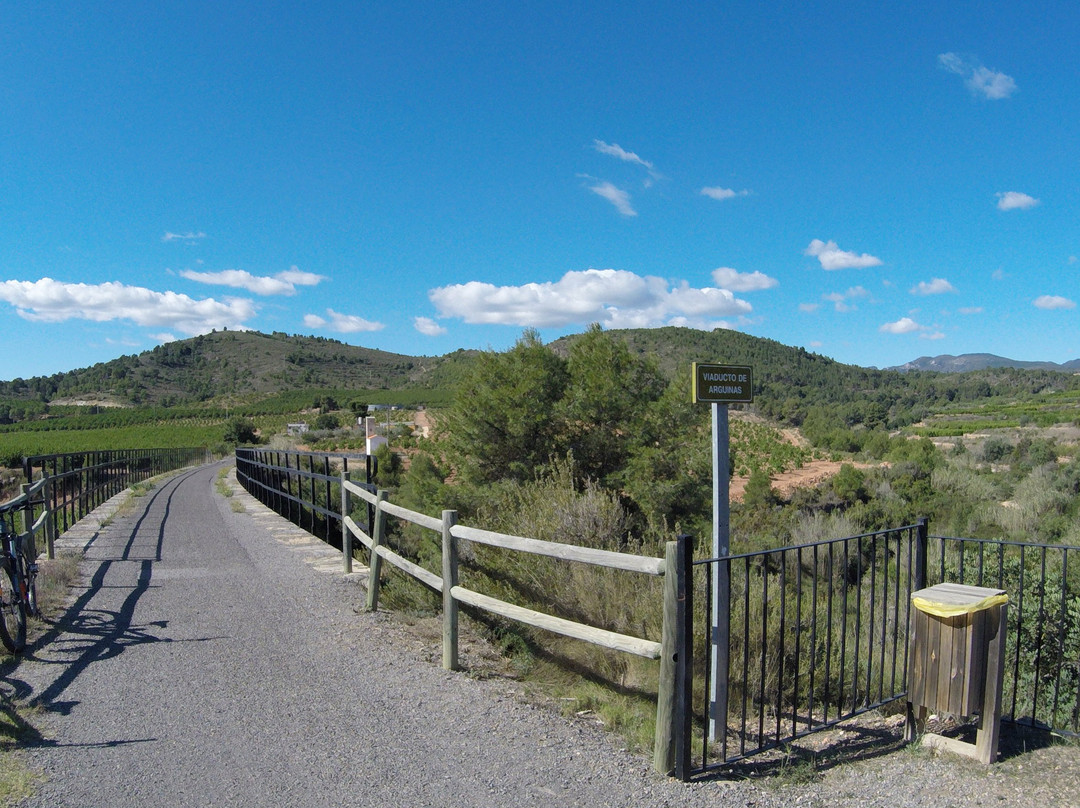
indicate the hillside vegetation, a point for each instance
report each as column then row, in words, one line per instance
column 232, row 363
column 185, row 392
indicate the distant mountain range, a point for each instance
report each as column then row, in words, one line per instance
column 982, row 361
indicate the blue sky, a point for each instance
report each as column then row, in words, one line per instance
column 874, row 182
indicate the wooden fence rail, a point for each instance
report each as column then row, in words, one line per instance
column 672, row 650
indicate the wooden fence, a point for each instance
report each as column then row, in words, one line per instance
column 672, row 723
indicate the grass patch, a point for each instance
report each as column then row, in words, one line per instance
column 56, row 577
column 222, row 483
column 17, row 780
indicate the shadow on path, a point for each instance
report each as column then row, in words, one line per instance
column 83, row 634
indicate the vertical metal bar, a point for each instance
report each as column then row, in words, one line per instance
column 781, row 645
column 1041, row 638
column 845, row 591
column 327, row 489
column 764, row 649
column 896, row 610
column 346, row 534
column 1019, row 630
column 882, row 638
column 1062, row 620
column 858, row 626
column 813, row 640
column 746, row 658
column 798, row 644
column 314, row 495
column 706, row 732
column 922, row 532
column 873, row 614
column 830, row 581
column 912, row 542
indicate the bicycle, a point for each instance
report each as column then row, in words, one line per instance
column 18, row 587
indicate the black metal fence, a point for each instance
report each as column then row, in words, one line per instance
column 304, row 487
column 812, row 635
column 80, row 481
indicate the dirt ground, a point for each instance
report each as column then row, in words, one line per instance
column 811, row 474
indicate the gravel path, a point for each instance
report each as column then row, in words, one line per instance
column 216, row 658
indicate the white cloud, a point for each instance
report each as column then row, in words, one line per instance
column 188, row 237
column 809, row 307
column 723, row 193
column 905, row 325
column 832, row 257
column 971, row 310
column 299, row 277
column 937, row 286
column 1014, row 200
column 1053, row 302
column 428, row 327
column 616, row 196
column 341, row 323
column 980, row 80
column 283, row 283
column 932, row 335
column 615, row 150
column 614, row 298
column 840, row 299
column 728, row 278
column 51, row 301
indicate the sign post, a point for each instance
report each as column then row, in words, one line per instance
column 720, row 385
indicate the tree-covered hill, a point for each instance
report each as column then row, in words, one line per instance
column 791, row 383
column 233, row 363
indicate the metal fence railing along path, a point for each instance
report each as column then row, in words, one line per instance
column 81, row 481
column 819, row 633
column 304, row 487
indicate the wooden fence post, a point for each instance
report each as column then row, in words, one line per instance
column 346, row 534
column 378, row 534
column 671, row 747
column 450, row 580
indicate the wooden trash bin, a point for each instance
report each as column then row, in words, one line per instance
column 956, row 662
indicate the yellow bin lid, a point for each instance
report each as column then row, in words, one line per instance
column 953, row 600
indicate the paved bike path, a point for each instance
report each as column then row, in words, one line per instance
column 210, row 659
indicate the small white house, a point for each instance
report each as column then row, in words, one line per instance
column 374, row 442
column 296, row 429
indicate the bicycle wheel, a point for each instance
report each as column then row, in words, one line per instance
column 12, row 611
